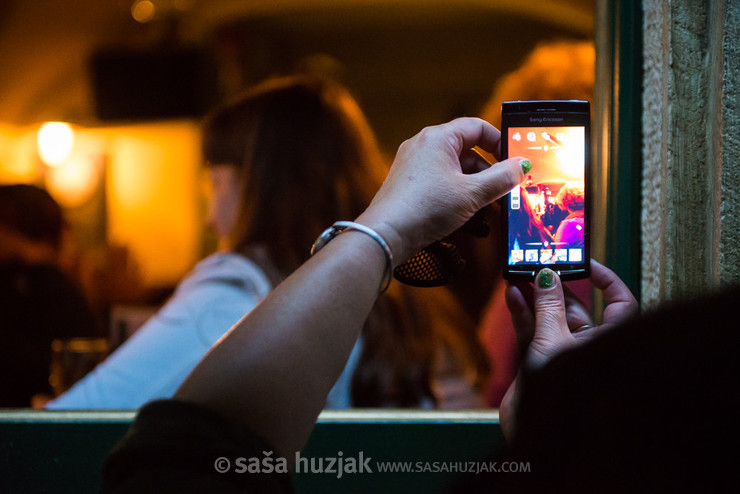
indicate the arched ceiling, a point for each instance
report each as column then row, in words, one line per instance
column 404, row 49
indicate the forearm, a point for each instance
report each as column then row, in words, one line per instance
column 274, row 369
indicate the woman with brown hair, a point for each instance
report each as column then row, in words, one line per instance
column 286, row 160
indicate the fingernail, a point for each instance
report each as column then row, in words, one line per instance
column 526, row 166
column 546, row 278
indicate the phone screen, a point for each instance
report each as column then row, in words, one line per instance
column 547, row 214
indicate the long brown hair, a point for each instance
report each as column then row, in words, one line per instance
column 412, row 336
column 307, row 157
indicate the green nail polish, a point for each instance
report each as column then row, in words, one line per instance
column 546, row 278
column 526, row 166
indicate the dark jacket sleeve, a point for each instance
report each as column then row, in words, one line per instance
column 176, row 446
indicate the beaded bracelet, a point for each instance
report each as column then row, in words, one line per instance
column 340, row 226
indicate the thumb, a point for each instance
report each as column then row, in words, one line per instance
column 501, row 177
column 551, row 333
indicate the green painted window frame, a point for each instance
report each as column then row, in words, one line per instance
column 618, row 150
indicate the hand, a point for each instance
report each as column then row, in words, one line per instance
column 437, row 182
column 551, row 319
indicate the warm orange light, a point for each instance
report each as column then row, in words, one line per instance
column 143, row 11
column 55, row 141
column 73, row 182
column 152, row 197
column 19, row 162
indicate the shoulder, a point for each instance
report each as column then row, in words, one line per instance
column 226, row 271
column 37, row 278
column 572, row 222
column 47, row 295
column 216, row 294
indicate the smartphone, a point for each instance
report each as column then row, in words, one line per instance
column 546, row 219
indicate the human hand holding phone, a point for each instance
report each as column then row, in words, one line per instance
column 549, row 319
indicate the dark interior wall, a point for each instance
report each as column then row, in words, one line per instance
column 410, row 63
column 407, row 70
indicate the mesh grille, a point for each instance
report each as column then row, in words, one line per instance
column 435, row 265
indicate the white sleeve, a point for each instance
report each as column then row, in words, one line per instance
column 158, row 357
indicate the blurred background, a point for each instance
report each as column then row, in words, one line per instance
column 125, row 83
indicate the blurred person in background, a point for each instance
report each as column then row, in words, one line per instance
column 554, row 70
column 286, row 160
column 571, row 198
column 39, row 302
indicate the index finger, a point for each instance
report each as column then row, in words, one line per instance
column 618, row 299
column 472, row 131
column 521, row 313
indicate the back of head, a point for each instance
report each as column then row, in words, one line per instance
column 307, row 158
column 553, row 70
column 571, row 196
column 31, row 222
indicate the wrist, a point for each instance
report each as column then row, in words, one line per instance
column 401, row 247
column 342, row 226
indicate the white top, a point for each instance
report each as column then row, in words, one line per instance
column 214, row 296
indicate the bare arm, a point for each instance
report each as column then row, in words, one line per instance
column 274, row 369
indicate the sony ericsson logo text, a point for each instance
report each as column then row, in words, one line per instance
column 546, row 119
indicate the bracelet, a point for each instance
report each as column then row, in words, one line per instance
column 340, row 226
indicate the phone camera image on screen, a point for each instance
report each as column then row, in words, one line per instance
column 547, row 214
